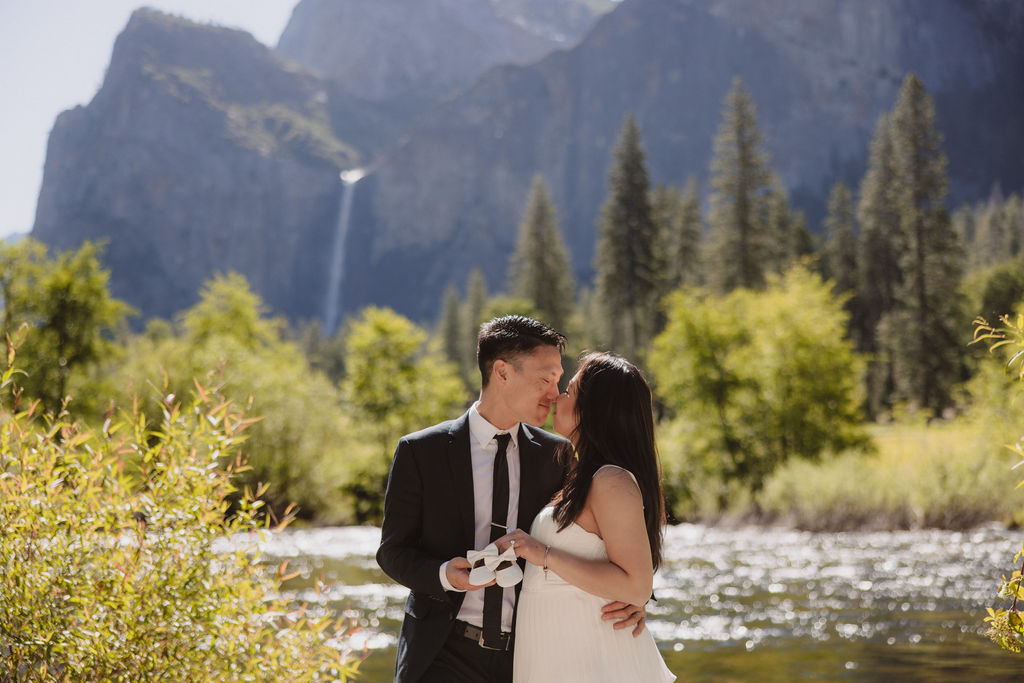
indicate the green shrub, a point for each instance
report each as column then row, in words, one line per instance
column 304, row 444
column 950, row 475
column 1006, row 627
column 107, row 575
column 395, row 383
column 757, row 377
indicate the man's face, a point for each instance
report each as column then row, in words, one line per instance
column 530, row 384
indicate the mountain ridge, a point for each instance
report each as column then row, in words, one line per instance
column 205, row 151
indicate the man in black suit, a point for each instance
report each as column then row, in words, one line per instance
column 439, row 505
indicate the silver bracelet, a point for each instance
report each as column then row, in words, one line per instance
column 547, row 549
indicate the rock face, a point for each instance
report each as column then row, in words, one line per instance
column 205, row 151
column 387, row 50
column 821, row 72
column 396, row 59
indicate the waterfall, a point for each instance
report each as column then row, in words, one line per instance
column 332, row 304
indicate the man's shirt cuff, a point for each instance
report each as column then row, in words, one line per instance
column 444, row 580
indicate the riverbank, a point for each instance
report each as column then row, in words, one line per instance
column 946, row 475
column 955, row 475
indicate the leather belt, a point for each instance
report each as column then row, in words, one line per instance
column 476, row 634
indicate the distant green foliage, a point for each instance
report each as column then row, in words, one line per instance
column 741, row 243
column 993, row 230
column 450, row 329
column 677, row 216
column 325, row 354
column 111, row 577
column 472, row 317
column 995, row 291
column 396, row 383
column 921, row 332
column 303, row 444
column 540, row 271
column 948, row 474
column 625, row 260
column 787, row 229
column 878, row 269
column 840, row 254
column 755, row 378
column 504, row 304
column 69, row 315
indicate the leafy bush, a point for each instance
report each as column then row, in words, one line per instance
column 1006, row 627
column 64, row 303
column 395, row 383
column 304, row 443
column 111, row 576
column 756, row 378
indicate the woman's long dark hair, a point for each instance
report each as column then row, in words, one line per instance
column 615, row 426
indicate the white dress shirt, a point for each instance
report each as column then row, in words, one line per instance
column 482, row 449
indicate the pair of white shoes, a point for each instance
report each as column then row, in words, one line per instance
column 490, row 565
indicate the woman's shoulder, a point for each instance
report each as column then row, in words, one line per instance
column 614, row 491
column 613, row 478
column 615, row 472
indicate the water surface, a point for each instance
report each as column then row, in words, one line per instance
column 748, row 604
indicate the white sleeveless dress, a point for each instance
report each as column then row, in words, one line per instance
column 560, row 636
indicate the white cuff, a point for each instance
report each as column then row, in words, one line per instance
column 444, row 580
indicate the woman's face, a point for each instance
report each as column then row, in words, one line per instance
column 565, row 419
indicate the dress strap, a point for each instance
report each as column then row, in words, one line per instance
column 631, row 476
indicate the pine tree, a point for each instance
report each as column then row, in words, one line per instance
column 840, row 258
column 1014, row 209
column 450, row 327
column 627, row 278
column 678, row 220
column 740, row 242
column 476, row 301
column 878, row 269
column 926, row 347
column 992, row 233
column 789, row 238
column 540, row 271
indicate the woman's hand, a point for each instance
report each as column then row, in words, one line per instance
column 526, row 546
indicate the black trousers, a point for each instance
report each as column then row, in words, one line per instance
column 461, row 660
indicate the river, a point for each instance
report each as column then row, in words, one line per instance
column 747, row 604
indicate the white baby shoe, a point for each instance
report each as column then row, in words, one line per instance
column 490, row 565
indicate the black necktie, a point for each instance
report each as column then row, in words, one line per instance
column 493, row 595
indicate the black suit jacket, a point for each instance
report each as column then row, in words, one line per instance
column 429, row 519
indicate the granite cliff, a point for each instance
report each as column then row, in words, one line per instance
column 205, row 151
column 820, row 71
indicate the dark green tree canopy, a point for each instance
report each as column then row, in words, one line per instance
column 741, row 241
column 68, row 313
column 627, row 269
column 840, row 257
column 540, row 271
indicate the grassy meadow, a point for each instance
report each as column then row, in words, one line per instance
column 949, row 474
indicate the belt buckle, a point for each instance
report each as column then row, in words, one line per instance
column 480, row 642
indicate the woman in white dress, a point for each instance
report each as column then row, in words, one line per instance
column 599, row 540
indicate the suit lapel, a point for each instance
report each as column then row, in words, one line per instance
column 460, row 462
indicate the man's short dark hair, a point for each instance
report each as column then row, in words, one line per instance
column 509, row 337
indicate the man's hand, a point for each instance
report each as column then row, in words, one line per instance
column 625, row 616
column 457, row 573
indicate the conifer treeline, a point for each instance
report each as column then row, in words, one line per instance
column 891, row 249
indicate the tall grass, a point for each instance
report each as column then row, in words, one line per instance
column 953, row 474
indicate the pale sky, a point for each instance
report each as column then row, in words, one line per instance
column 53, row 54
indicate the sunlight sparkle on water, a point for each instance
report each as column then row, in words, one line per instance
column 746, row 587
